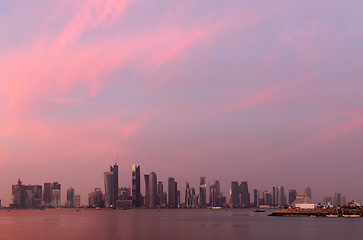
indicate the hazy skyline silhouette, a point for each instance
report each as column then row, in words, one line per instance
column 268, row 93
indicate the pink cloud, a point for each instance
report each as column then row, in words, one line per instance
column 91, row 14
column 273, row 96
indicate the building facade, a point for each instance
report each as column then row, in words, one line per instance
column 202, row 192
column 114, row 170
column 109, row 193
column 136, row 190
column 172, row 193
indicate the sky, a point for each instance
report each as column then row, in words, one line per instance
column 258, row 91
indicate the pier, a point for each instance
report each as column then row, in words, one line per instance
column 318, row 212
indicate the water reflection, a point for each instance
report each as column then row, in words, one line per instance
column 169, row 224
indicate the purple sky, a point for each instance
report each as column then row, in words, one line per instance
column 268, row 92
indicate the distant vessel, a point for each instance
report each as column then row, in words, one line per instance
column 332, row 216
column 351, row 216
column 216, row 208
column 259, row 210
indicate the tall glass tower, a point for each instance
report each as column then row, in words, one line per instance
column 202, row 192
column 136, row 193
column 109, row 181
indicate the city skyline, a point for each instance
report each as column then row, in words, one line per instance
column 268, row 93
column 27, row 195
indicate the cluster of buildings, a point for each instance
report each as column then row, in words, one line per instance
column 37, row 196
column 336, row 200
column 155, row 195
column 158, row 196
column 277, row 198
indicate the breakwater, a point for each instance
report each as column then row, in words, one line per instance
column 319, row 212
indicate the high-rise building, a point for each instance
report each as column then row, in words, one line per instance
column 235, row 191
column 56, row 194
column 307, row 191
column 56, row 198
column 146, row 198
column 96, row 198
column 109, row 193
column 178, row 198
column 18, row 193
column 47, row 194
column 216, row 195
column 245, row 195
column 275, row 196
column 77, row 200
column 165, row 199
column 202, row 192
column 70, row 197
column 172, row 193
column 114, row 170
column 190, row 197
column 136, row 193
column 281, row 201
column 266, row 198
column 292, row 196
column 160, row 193
column 256, row 198
column 37, row 196
column 336, row 199
column 153, row 193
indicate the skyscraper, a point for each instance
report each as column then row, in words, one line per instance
column 281, row 201
column 235, row 191
column 307, row 191
column 336, row 199
column 95, row 198
column 172, row 193
column 56, row 198
column 216, row 196
column 114, row 170
column 77, row 200
column 47, row 194
column 160, row 193
column 256, row 198
column 109, row 193
column 266, row 198
column 136, row 193
column 37, row 196
column 18, row 193
column 190, row 197
column 202, row 192
column 153, row 193
column 146, row 198
column 275, row 196
column 70, row 197
column 245, row 195
column 292, row 196
column 56, row 194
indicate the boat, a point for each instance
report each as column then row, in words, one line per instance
column 259, row 210
column 351, row 215
column 331, row 215
column 216, row 208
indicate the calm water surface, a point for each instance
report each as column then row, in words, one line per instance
column 171, row 224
